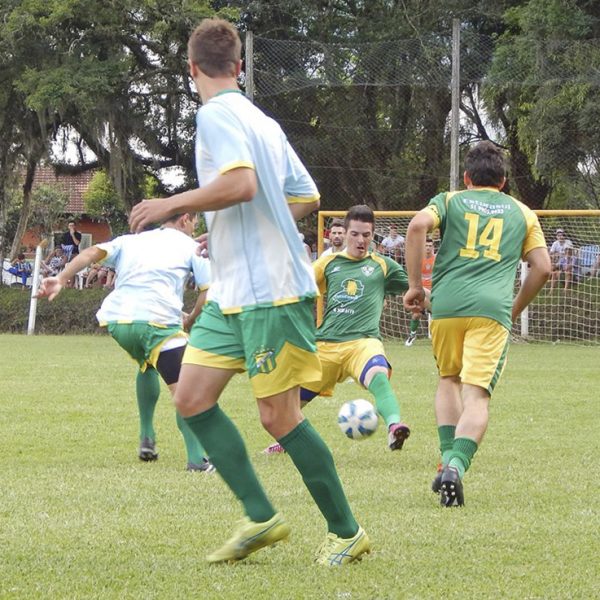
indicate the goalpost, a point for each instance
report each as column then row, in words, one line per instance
column 556, row 315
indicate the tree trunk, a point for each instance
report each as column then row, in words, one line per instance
column 26, row 208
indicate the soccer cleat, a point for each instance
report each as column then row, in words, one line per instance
column 451, row 488
column 412, row 336
column 336, row 551
column 398, row 433
column 205, row 466
column 436, row 484
column 275, row 448
column 250, row 537
column 147, row 451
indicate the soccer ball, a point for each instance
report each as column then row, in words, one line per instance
column 358, row 419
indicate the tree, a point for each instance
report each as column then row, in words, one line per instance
column 101, row 201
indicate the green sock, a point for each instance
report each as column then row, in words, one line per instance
column 446, row 435
column 462, row 455
column 385, row 399
column 414, row 325
column 147, row 389
column 314, row 461
column 223, row 443
column 194, row 450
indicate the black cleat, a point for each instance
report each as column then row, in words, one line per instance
column 205, row 466
column 451, row 488
column 147, row 451
column 436, row 484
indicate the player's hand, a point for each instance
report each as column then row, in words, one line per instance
column 148, row 212
column 202, row 249
column 49, row 288
column 414, row 299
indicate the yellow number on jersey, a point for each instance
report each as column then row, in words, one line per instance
column 490, row 238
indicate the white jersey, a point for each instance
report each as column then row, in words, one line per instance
column 330, row 250
column 257, row 257
column 560, row 248
column 152, row 269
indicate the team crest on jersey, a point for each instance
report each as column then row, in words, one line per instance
column 264, row 360
column 352, row 290
column 367, row 270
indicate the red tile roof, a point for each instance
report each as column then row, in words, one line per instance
column 74, row 185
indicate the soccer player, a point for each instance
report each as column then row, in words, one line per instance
column 337, row 237
column 356, row 282
column 426, row 277
column 259, row 314
column 143, row 313
column 484, row 234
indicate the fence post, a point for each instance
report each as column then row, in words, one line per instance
column 249, row 65
column 525, row 313
column 455, row 113
column 35, row 281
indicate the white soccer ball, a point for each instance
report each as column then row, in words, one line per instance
column 358, row 419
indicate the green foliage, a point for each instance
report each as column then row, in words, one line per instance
column 72, row 312
column 101, row 201
column 49, row 203
column 84, row 518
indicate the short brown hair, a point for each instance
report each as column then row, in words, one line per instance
column 360, row 212
column 215, row 48
column 337, row 223
column 485, row 164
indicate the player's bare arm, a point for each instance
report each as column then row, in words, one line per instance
column 539, row 272
column 233, row 187
column 414, row 246
column 50, row 287
column 300, row 210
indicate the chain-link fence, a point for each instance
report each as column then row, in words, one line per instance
column 372, row 121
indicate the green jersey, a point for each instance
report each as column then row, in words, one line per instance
column 484, row 234
column 355, row 291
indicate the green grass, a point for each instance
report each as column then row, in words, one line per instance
column 81, row 517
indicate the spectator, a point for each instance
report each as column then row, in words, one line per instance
column 561, row 262
column 70, row 241
column 20, row 268
column 96, row 275
column 54, row 263
column 393, row 244
column 596, row 267
column 337, row 237
column 110, row 279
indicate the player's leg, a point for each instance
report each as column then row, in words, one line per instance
column 484, row 355
column 168, row 365
column 447, row 342
column 292, row 359
column 330, row 374
column 147, row 391
column 365, row 361
column 213, row 341
column 415, row 320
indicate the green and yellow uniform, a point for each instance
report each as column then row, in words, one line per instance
column 484, row 235
column 349, row 335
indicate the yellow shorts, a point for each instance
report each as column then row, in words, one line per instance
column 340, row 360
column 275, row 344
column 472, row 348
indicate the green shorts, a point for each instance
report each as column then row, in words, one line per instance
column 275, row 344
column 143, row 341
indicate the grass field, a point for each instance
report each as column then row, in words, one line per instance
column 81, row 517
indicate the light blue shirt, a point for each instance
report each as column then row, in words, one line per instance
column 257, row 257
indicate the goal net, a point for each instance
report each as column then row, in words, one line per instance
column 567, row 309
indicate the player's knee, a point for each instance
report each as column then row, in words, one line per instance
column 376, row 364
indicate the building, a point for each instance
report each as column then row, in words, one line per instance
column 92, row 230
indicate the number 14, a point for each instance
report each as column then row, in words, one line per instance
column 490, row 238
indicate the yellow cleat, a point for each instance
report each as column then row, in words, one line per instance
column 250, row 537
column 337, row 551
